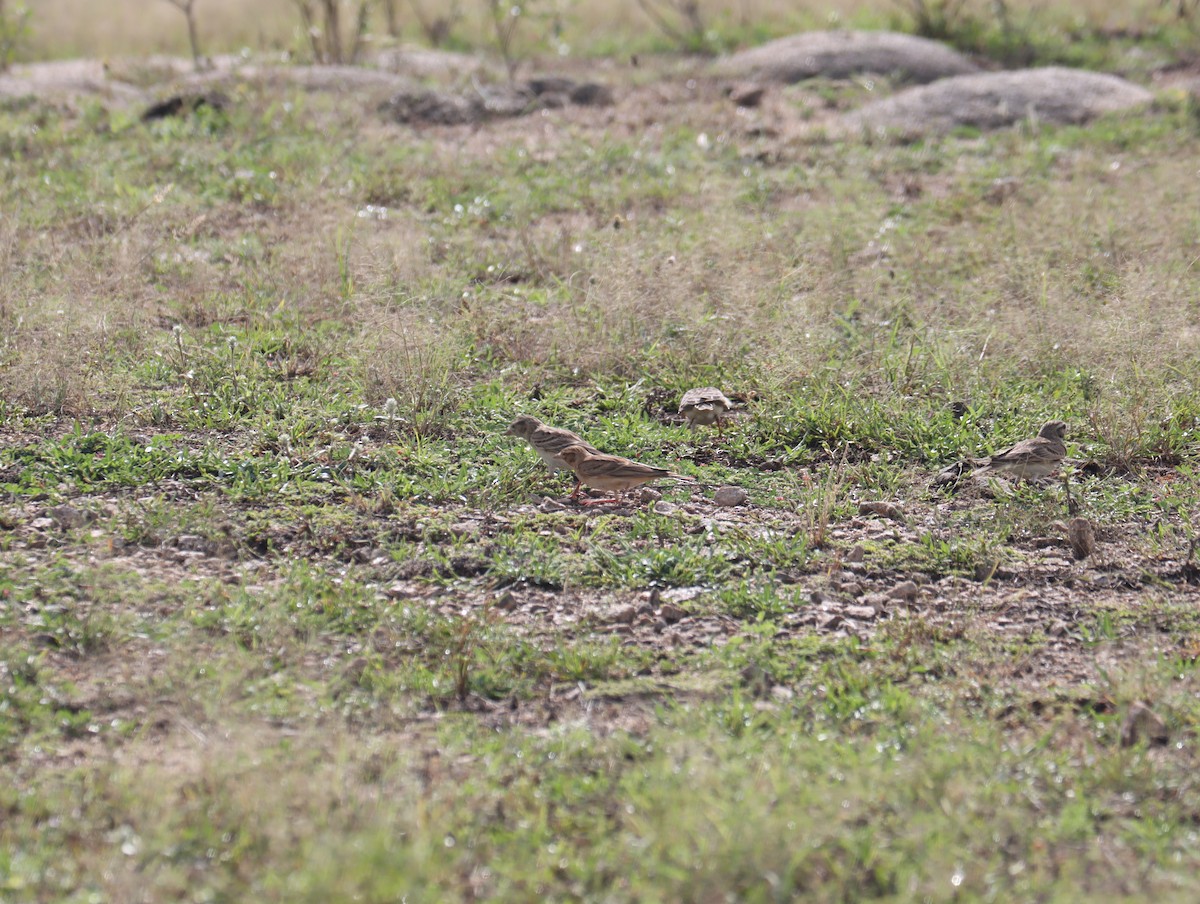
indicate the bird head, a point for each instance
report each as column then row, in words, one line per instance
column 1053, row 430
column 523, row 426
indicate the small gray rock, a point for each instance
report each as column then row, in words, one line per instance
column 905, row 591
column 730, row 496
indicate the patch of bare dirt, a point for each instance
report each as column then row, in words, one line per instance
column 994, row 100
column 1035, row 596
column 844, row 54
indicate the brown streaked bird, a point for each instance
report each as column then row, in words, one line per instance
column 610, row 473
column 548, row 442
column 1034, row 458
column 704, row 406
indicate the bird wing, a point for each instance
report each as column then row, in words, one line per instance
column 705, row 396
column 617, row 468
column 554, row 439
column 1037, row 449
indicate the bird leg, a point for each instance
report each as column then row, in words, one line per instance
column 615, row 500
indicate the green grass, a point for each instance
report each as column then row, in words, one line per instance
column 283, row 614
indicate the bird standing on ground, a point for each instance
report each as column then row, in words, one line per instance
column 1034, row 458
column 548, row 442
column 610, row 472
column 704, row 406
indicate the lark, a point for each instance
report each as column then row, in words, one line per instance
column 610, row 473
column 1031, row 459
column 704, row 406
column 548, row 442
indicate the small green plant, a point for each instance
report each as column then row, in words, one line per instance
column 325, row 24
column 466, row 639
column 935, row 18
column 506, row 19
column 14, row 32
column 188, row 8
column 436, row 21
column 682, row 21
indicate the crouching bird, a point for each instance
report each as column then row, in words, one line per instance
column 1031, row 459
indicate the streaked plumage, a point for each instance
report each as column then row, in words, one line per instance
column 1034, row 458
column 548, row 442
column 611, row 473
column 704, row 406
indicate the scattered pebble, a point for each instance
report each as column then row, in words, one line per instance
column 861, row 612
column 905, row 591
column 855, row 554
column 662, row 507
